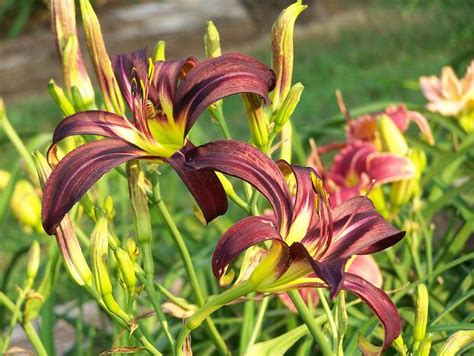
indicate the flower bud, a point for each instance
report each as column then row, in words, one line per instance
column 68, row 244
column 33, row 260
column 282, row 51
column 126, row 268
column 67, row 43
column 58, row 95
column 391, row 137
column 99, row 253
column 288, row 107
column 421, row 314
column 212, row 42
column 159, row 51
column 425, row 346
column 25, row 205
column 4, row 179
column 456, row 342
column 286, row 142
column 113, row 100
column 258, row 122
column 109, row 207
column 466, row 120
column 132, row 249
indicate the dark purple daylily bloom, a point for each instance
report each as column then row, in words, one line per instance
column 311, row 243
column 165, row 99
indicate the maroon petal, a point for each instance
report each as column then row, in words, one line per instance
column 380, row 303
column 242, row 235
column 244, row 161
column 351, row 162
column 203, row 185
column 360, row 230
column 77, row 172
column 330, row 271
column 165, row 78
column 217, row 78
column 95, row 122
column 386, row 167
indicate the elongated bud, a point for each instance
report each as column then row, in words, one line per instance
column 159, row 51
column 132, row 249
column 402, row 191
column 399, row 345
column 25, row 205
column 99, row 253
column 33, row 260
column 113, row 100
column 425, row 346
column 286, row 142
column 212, row 42
column 288, row 107
column 258, row 121
column 391, row 137
column 126, row 268
column 60, row 98
column 67, row 43
column 421, row 314
column 5, row 177
column 456, row 342
column 282, row 51
column 109, row 207
column 68, row 244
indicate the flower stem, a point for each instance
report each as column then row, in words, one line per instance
column 141, row 216
column 211, row 306
column 305, row 314
column 328, row 312
column 34, row 339
column 188, row 265
column 258, row 323
column 218, row 114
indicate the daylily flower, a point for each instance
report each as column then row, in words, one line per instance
column 310, row 243
column 451, row 96
column 364, row 128
column 165, row 99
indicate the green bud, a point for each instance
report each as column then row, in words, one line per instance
column 109, row 207
column 466, row 120
column 159, row 51
column 282, row 51
column 399, row 345
column 58, row 95
column 113, row 100
column 25, row 205
column 33, row 260
column 456, row 342
column 212, row 42
column 71, row 251
column 126, row 268
column 391, row 137
column 286, row 142
column 99, row 253
column 258, row 121
column 74, row 71
column 421, row 314
column 132, row 249
column 425, row 346
column 288, row 107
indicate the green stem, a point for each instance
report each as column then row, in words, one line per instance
column 142, row 220
column 34, row 339
column 258, row 323
column 211, row 306
column 305, row 314
column 218, row 115
column 188, row 264
column 7, row 302
column 18, row 144
column 327, row 310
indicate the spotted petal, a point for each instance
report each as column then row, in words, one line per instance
column 377, row 300
column 77, row 172
column 203, row 185
column 244, row 161
column 217, row 78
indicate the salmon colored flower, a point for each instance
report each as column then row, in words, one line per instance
column 451, row 96
column 165, row 98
